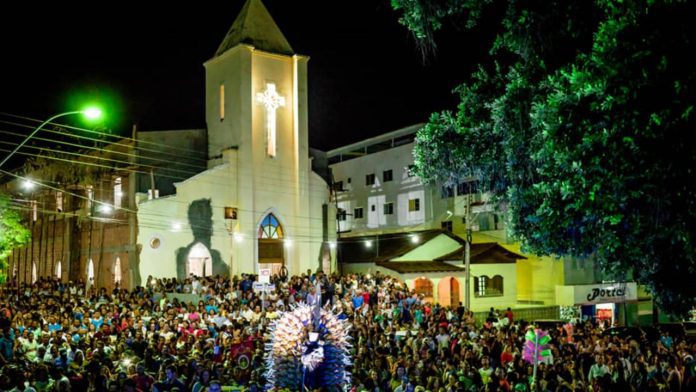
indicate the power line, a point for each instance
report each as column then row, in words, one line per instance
column 85, row 147
column 273, row 182
column 143, row 213
column 95, row 158
column 91, row 131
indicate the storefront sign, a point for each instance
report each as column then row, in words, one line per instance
column 605, row 293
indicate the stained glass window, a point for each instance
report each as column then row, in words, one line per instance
column 270, row 228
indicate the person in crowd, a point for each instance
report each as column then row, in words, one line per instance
column 209, row 334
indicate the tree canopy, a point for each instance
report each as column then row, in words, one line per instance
column 580, row 122
column 12, row 233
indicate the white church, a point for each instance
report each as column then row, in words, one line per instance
column 259, row 204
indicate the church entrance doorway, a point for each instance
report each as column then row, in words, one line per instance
column 199, row 262
column 270, row 241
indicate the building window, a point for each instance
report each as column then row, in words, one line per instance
column 90, row 197
column 413, row 205
column 34, row 210
column 90, row 272
column 270, row 227
column 59, row 270
column 118, row 192
column 222, row 102
column 341, row 214
column 117, row 271
column 488, row 287
column 349, row 180
column 446, row 192
column 358, row 213
column 446, row 226
column 34, row 274
column 59, row 201
column 411, row 171
column 387, row 175
column 372, row 208
column 370, row 179
column 388, row 208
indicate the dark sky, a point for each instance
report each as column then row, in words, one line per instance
column 366, row 76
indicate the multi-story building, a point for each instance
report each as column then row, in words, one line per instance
column 389, row 221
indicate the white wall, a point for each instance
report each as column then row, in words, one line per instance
column 397, row 191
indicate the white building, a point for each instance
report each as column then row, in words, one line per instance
column 259, row 204
column 388, row 221
column 376, row 191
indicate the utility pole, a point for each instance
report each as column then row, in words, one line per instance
column 467, row 252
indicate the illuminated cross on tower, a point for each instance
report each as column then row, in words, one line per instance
column 272, row 101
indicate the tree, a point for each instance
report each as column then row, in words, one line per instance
column 12, row 233
column 580, row 121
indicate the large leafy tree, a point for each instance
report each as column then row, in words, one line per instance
column 580, row 120
column 12, row 233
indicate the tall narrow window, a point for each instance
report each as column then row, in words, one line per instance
column 59, row 201
column 117, row 271
column 222, row 102
column 59, row 270
column 90, row 197
column 118, row 192
column 34, row 210
column 34, row 275
column 480, row 284
column 90, row 272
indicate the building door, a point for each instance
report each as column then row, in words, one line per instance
column 199, row 262
column 448, row 291
column 270, row 243
column 423, row 286
column 454, row 292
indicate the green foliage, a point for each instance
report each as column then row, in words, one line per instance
column 12, row 233
column 580, row 122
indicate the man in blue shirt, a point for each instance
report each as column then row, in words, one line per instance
column 54, row 325
column 357, row 300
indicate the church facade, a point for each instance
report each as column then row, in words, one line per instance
column 259, row 204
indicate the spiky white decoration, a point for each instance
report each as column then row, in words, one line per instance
column 294, row 362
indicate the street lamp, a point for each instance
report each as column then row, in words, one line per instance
column 91, row 113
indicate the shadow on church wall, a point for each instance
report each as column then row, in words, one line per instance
column 200, row 217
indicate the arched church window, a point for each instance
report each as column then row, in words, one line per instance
column 270, row 228
column 90, row 272
column 59, row 270
column 34, row 276
column 117, row 271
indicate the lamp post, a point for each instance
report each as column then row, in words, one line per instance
column 92, row 113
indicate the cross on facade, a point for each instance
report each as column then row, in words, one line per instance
column 271, row 100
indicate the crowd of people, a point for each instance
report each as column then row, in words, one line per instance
column 208, row 334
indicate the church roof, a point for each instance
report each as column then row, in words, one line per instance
column 255, row 26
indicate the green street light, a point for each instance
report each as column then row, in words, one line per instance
column 91, row 113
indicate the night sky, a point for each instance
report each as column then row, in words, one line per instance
column 366, row 75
